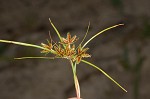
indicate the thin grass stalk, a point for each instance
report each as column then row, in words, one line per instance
column 55, row 29
column 19, row 58
column 105, row 74
column 76, row 83
column 100, row 33
column 23, row 44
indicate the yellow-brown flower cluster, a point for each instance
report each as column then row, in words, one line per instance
column 66, row 49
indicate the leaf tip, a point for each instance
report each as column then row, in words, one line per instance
column 125, row 90
column 49, row 19
column 17, row 58
column 121, row 24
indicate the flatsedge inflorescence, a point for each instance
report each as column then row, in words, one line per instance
column 66, row 49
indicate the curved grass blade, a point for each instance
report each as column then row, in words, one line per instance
column 104, row 74
column 35, row 58
column 55, row 29
column 85, row 34
column 23, row 44
column 101, row 33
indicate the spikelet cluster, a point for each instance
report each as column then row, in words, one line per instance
column 66, row 49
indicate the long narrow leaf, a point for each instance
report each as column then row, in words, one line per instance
column 85, row 34
column 105, row 74
column 35, row 58
column 100, row 33
column 55, row 29
column 23, row 44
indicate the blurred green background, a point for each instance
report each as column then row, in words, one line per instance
column 122, row 52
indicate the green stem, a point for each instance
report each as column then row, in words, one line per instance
column 100, row 33
column 77, row 87
column 23, row 44
column 55, row 29
column 85, row 35
column 58, row 34
column 104, row 74
column 35, row 58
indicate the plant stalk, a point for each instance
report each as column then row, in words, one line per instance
column 77, row 87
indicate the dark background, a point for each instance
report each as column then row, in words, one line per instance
column 122, row 52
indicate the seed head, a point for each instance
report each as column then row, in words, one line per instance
column 66, row 49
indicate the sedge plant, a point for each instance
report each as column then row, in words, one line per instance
column 67, row 49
